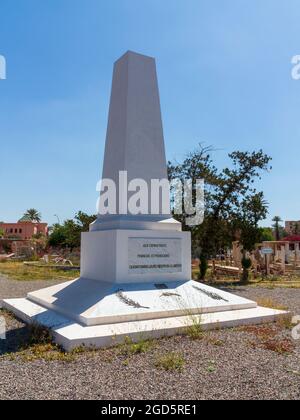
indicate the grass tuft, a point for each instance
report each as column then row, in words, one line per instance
column 170, row 361
column 211, row 367
column 129, row 347
column 215, row 341
column 195, row 331
column 48, row 352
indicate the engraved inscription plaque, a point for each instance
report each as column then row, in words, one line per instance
column 154, row 255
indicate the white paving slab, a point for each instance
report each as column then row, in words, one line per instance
column 70, row 334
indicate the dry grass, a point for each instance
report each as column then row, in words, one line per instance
column 214, row 341
column 48, row 352
column 268, row 338
column 288, row 281
column 38, row 334
column 280, row 346
column 170, row 361
column 7, row 314
column 39, row 345
column 263, row 332
column 271, row 303
column 195, row 330
column 19, row 271
column 285, row 322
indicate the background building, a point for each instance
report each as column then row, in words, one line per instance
column 24, row 229
column 292, row 227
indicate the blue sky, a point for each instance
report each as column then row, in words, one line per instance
column 224, row 72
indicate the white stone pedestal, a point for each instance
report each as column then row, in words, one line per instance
column 136, row 256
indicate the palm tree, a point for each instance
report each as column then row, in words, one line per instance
column 34, row 215
column 277, row 220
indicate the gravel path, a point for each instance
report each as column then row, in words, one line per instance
column 15, row 289
column 228, row 364
column 289, row 298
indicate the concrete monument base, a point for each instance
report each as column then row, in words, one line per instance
column 71, row 334
column 92, row 313
column 136, row 256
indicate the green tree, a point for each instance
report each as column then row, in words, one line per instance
column 253, row 209
column 68, row 234
column 2, row 233
column 84, row 220
column 57, row 236
column 277, row 220
column 232, row 203
column 33, row 215
column 266, row 234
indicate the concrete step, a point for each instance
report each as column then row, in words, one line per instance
column 70, row 334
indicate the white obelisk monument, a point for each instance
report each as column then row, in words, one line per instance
column 135, row 149
column 135, row 266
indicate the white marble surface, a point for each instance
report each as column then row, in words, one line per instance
column 70, row 334
column 93, row 303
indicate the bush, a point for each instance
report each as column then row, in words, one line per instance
column 246, row 264
column 7, row 247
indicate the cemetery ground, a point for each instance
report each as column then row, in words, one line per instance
column 257, row 362
column 17, row 270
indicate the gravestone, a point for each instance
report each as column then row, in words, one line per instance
column 135, row 268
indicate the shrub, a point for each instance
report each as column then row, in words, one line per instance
column 246, row 264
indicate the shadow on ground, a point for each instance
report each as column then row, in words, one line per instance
column 16, row 340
